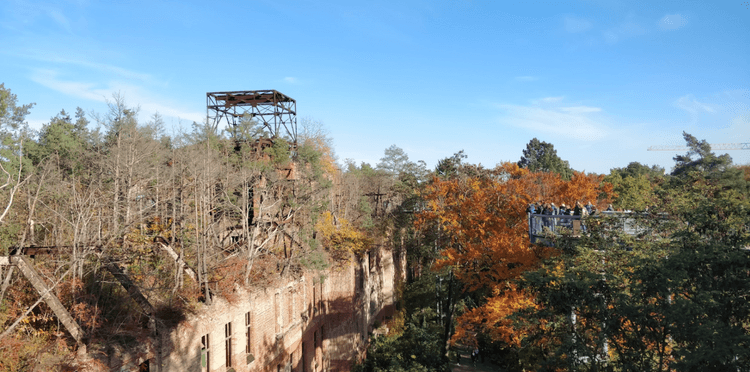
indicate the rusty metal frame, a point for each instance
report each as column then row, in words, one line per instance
column 274, row 110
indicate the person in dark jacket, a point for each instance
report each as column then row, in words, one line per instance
column 577, row 209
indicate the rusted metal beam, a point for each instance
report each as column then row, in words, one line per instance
column 133, row 292
column 180, row 262
column 27, row 269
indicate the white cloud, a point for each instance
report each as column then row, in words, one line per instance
column 693, row 107
column 135, row 95
column 36, row 124
column 672, row 21
column 102, row 67
column 624, row 30
column 291, row 80
column 576, row 25
column 571, row 122
column 60, row 19
column 547, row 100
column 721, row 110
column 48, row 78
column 526, row 78
column 580, row 109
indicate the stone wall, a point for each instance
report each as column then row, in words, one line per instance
column 306, row 324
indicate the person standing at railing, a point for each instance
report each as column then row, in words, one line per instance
column 589, row 207
column 555, row 212
column 545, row 211
column 564, row 211
column 584, row 213
column 530, row 209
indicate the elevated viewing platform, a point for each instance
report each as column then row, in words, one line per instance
column 273, row 109
column 544, row 226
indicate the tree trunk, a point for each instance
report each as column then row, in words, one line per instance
column 449, row 317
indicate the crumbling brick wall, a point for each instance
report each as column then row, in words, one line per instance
column 305, row 324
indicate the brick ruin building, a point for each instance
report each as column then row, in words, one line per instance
column 306, row 321
column 304, row 325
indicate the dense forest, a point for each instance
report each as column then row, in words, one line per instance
column 109, row 205
column 113, row 209
column 671, row 297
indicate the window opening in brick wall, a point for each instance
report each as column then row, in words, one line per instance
column 247, row 332
column 289, row 307
column 315, row 299
column 228, row 342
column 205, row 353
column 290, row 368
column 277, row 312
column 322, row 339
column 320, row 291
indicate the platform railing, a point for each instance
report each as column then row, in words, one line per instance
column 544, row 226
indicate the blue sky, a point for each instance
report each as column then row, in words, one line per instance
column 601, row 80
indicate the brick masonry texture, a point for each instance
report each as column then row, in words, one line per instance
column 303, row 324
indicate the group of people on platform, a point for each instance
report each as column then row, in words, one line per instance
column 551, row 209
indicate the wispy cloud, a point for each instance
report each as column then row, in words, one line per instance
column 527, row 78
column 90, row 91
column 101, row 67
column 624, row 30
column 576, row 25
column 580, row 109
column 547, row 100
column 102, row 93
column 693, row 107
column 60, row 19
column 673, row 21
column 546, row 116
column 721, row 110
column 291, row 80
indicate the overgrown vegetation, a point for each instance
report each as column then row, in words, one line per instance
column 194, row 216
column 185, row 218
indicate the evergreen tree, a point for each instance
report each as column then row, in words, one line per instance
column 700, row 159
column 540, row 156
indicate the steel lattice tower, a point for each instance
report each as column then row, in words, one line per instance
column 275, row 110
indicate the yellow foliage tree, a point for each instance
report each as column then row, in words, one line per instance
column 340, row 238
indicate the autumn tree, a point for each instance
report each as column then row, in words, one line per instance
column 483, row 235
column 667, row 298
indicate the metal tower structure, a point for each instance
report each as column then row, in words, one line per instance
column 276, row 111
column 714, row 146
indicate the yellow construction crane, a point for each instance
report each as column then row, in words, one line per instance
column 714, row 147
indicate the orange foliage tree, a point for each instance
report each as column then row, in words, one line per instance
column 483, row 234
